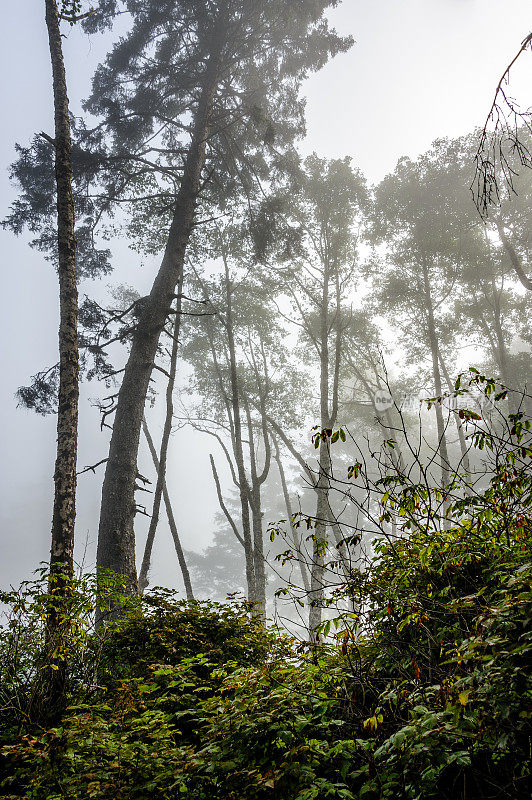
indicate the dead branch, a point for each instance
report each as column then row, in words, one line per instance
column 92, row 467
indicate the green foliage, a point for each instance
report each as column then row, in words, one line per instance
column 424, row 693
column 27, row 651
column 166, row 630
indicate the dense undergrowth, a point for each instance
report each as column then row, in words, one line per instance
column 429, row 699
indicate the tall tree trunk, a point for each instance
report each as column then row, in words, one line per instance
column 231, row 402
column 64, row 510
column 237, row 439
column 171, row 519
column 319, row 541
column 163, row 454
column 324, row 463
column 116, row 540
column 258, row 550
column 434, row 351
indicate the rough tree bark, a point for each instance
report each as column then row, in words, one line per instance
column 116, row 541
column 64, row 510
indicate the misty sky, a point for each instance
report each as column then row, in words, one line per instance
column 420, row 69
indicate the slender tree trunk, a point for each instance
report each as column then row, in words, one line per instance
column 237, row 441
column 167, row 430
column 434, row 351
column 64, row 510
column 171, row 519
column 319, row 542
column 324, row 463
column 116, row 541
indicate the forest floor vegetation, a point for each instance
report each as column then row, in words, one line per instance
column 428, row 697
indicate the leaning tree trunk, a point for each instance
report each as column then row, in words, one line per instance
column 499, row 351
column 116, row 540
column 167, row 430
column 171, row 519
column 64, row 510
column 513, row 256
column 238, row 449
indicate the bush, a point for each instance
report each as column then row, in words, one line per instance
column 428, row 697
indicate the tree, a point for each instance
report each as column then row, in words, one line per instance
column 429, row 229
column 371, row 397
column 494, row 315
column 206, row 79
column 317, row 267
column 232, row 353
column 199, row 106
column 64, row 509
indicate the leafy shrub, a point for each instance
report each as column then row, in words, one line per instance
column 429, row 697
column 166, row 630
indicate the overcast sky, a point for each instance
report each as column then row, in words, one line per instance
column 419, row 70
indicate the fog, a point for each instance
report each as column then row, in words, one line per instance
column 419, row 70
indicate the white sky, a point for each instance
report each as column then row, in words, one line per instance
column 420, row 69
